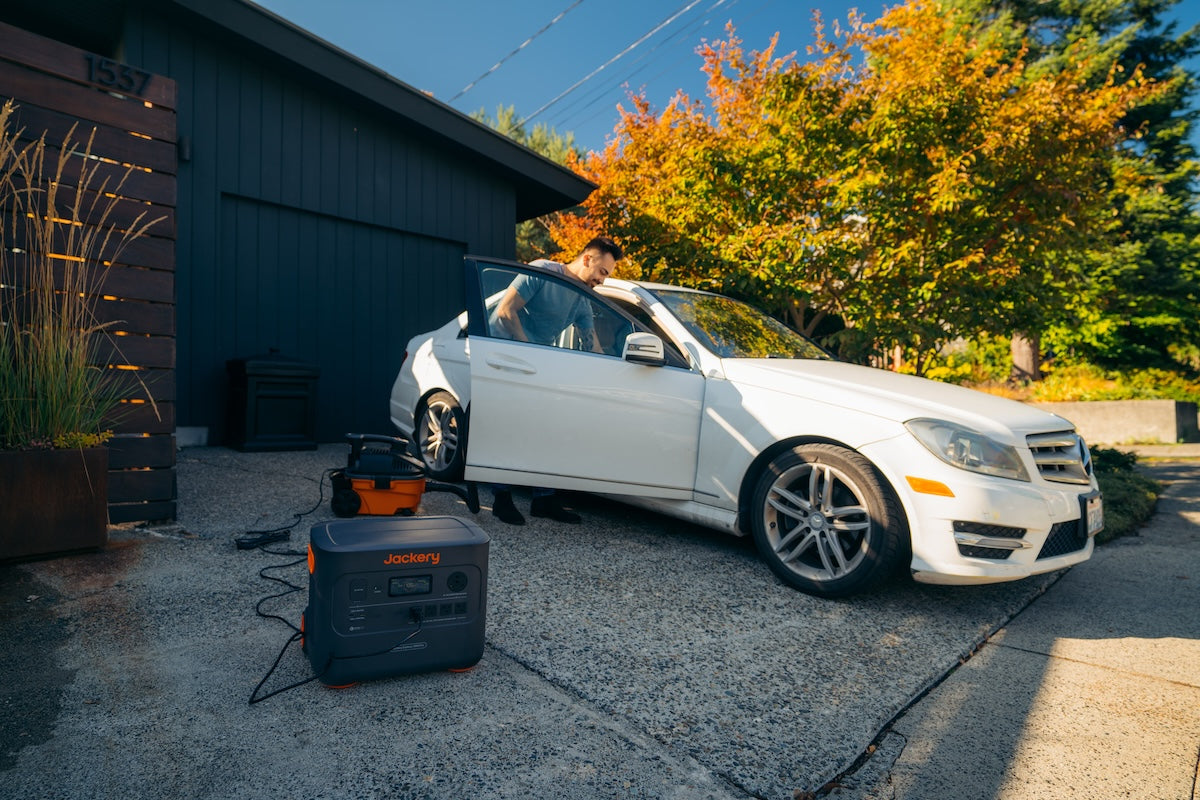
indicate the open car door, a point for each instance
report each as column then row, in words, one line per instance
column 572, row 413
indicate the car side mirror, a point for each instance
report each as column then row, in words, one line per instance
column 644, row 348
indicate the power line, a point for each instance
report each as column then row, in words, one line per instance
column 566, row 118
column 520, row 47
column 599, row 99
column 581, row 105
column 600, row 68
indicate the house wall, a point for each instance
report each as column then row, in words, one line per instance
column 315, row 206
column 309, row 222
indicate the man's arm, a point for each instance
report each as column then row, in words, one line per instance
column 507, row 312
column 586, row 328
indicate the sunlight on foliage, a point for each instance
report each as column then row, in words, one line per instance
column 1084, row 382
column 915, row 181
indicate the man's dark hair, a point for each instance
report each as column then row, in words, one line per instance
column 604, row 245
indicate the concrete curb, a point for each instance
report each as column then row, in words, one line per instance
column 1164, row 452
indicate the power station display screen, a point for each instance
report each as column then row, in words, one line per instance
column 405, row 585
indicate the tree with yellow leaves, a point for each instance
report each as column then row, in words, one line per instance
column 911, row 180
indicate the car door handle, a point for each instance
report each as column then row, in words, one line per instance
column 510, row 365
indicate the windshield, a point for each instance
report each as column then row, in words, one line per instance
column 732, row 329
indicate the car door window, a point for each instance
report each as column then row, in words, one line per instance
column 648, row 323
column 556, row 313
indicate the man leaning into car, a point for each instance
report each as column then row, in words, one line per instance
column 535, row 310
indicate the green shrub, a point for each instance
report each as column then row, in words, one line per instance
column 987, row 360
column 1129, row 499
column 1082, row 382
column 1129, row 496
column 1108, row 459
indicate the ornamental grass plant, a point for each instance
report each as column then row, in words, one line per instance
column 57, row 239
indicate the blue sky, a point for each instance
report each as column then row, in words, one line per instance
column 573, row 73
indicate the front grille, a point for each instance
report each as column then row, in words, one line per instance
column 1064, row 538
column 1061, row 457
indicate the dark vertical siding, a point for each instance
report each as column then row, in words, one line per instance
column 313, row 225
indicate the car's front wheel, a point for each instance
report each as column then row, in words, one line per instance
column 440, row 436
column 826, row 522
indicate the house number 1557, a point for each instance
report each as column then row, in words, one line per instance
column 116, row 75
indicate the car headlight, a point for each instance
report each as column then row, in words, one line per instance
column 967, row 449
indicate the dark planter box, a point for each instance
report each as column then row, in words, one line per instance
column 52, row 502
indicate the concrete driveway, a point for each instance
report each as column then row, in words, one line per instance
column 632, row 656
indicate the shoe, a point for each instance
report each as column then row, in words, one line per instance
column 550, row 506
column 504, row 510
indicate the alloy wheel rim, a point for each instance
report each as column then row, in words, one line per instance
column 440, row 439
column 817, row 521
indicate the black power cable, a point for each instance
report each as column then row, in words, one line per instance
column 297, row 634
column 258, row 540
column 415, row 615
column 255, row 539
column 255, row 698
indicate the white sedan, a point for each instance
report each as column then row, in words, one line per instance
column 700, row 407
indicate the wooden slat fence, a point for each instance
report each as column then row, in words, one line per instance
column 132, row 115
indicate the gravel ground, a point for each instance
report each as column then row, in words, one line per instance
column 630, row 656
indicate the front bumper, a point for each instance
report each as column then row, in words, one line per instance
column 991, row 529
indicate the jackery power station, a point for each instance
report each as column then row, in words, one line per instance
column 394, row 595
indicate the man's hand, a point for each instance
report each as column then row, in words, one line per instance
column 590, row 341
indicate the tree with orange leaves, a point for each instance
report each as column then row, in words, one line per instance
column 979, row 176
column 742, row 200
column 910, row 178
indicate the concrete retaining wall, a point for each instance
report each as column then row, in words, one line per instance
column 1112, row 422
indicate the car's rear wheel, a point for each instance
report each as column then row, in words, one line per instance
column 441, row 436
column 826, row 522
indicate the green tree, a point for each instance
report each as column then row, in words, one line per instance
column 533, row 235
column 1140, row 305
column 981, row 176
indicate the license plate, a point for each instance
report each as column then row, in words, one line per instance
column 1093, row 507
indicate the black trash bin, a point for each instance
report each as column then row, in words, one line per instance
column 272, row 403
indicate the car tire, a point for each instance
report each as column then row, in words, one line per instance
column 826, row 522
column 440, row 436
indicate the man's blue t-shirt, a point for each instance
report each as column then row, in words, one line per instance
column 549, row 307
